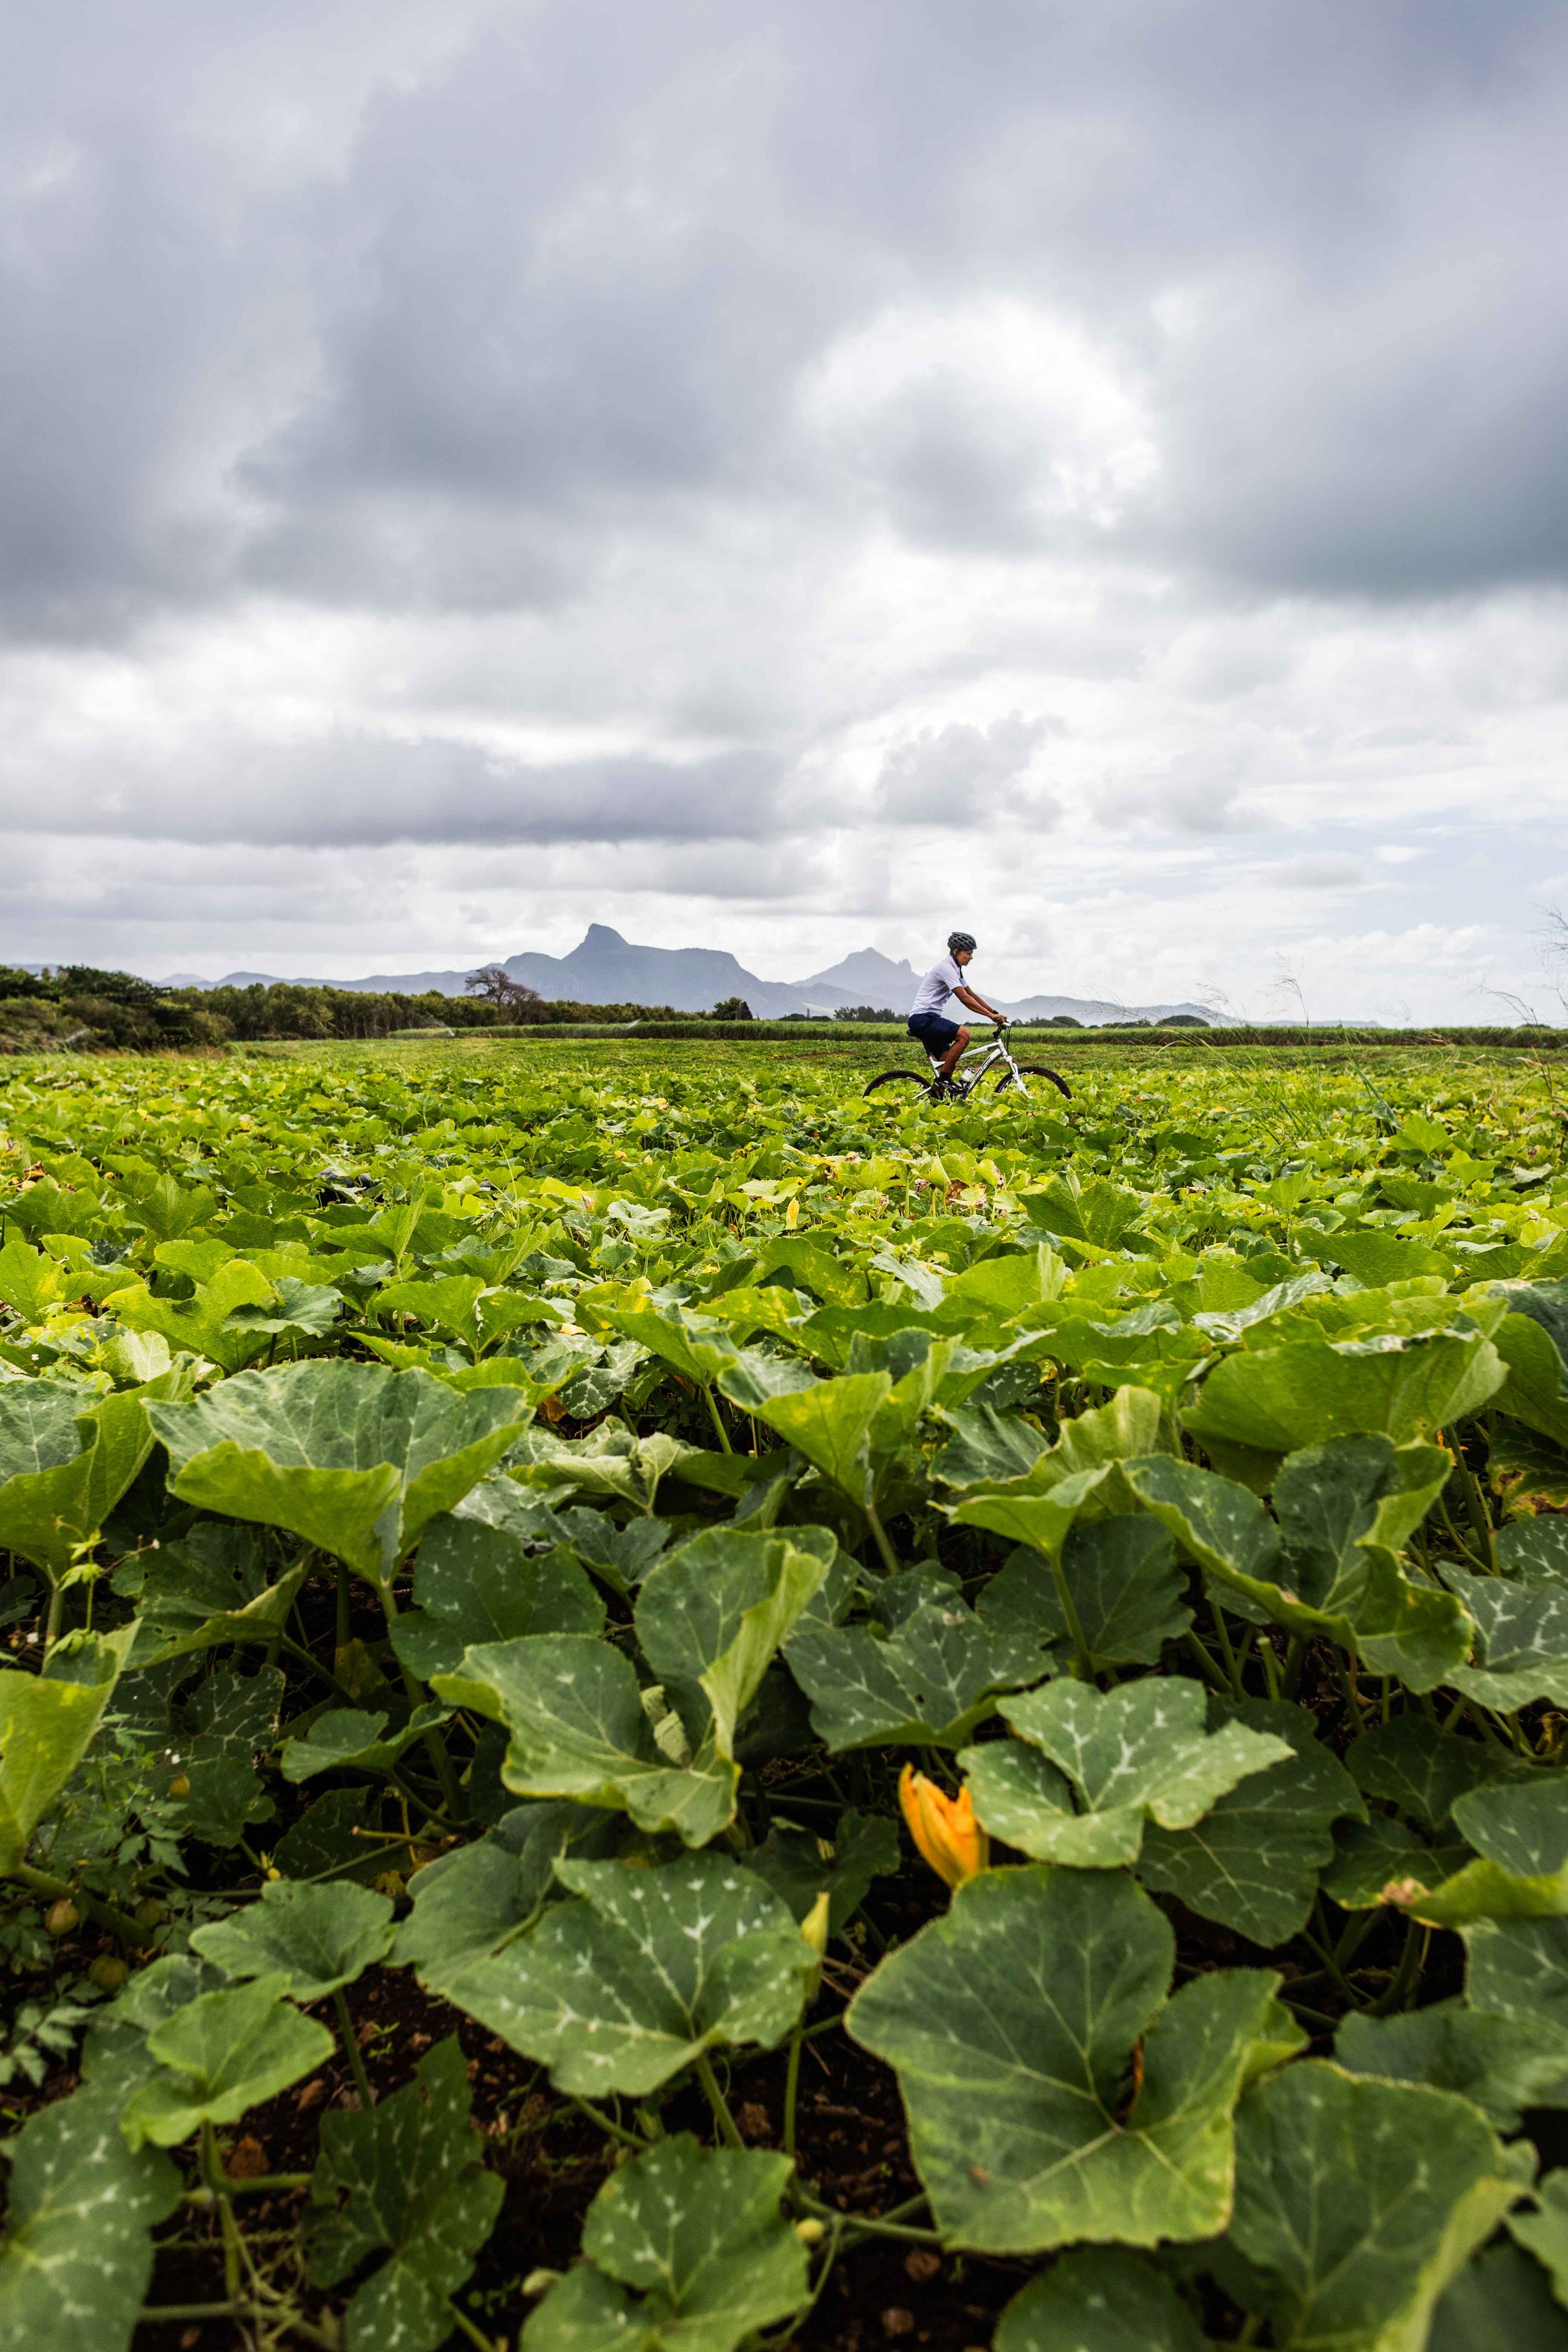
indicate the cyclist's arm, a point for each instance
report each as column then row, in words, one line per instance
column 978, row 1004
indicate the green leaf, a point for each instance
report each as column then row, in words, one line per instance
column 65, row 1459
column 1544, row 2232
column 1098, row 1213
column 353, row 1457
column 1012, row 2021
column 621, row 1989
column 316, row 1938
column 223, row 2053
column 1342, row 1503
column 710, row 1614
column 1252, row 1862
column 1095, row 2301
column 1414, row 1765
column 830, row 1423
column 931, row 1680
column 1521, row 1639
column 1519, row 1967
column 792, row 1862
column 608, row 1461
column 1275, row 1400
column 403, row 2178
column 46, row 1724
column 1530, row 1340
column 1502, row 2064
column 987, row 1448
column 470, row 1902
column 1357, row 2202
column 1125, row 1585
column 579, row 1728
column 687, row 2251
column 307, row 1310
column 1141, row 1750
column 474, row 1584
column 1498, row 2302
column 1520, row 1834
column 349, row 1737
column 1374, row 1858
column 77, row 2255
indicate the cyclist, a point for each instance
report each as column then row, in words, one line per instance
column 928, row 1018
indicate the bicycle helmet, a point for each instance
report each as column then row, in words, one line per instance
column 960, row 939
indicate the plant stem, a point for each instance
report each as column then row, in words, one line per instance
column 119, row 1923
column 890, row 1557
column 717, row 2101
column 1232, row 1664
column 1074, row 1627
column 345, row 1633
column 213, row 2172
column 352, row 2049
column 468, row 2327
column 1475, row 1503
column 718, row 1423
column 269, row 2184
column 792, row 2085
column 615, row 2131
column 1398, row 1993
column 1294, row 1655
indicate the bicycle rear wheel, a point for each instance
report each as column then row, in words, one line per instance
column 900, row 1082
column 1033, row 1070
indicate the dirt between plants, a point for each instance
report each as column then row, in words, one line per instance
column 852, row 2149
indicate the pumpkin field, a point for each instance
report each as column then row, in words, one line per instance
column 647, row 1705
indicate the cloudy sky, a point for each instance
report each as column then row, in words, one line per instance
column 791, row 477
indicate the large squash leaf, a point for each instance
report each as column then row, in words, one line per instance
column 647, row 1968
column 687, row 2251
column 1012, row 2023
column 1142, row 1751
column 77, row 2250
column 1357, row 2202
column 403, row 2179
column 353, row 1457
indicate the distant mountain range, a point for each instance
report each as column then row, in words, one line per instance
column 606, row 969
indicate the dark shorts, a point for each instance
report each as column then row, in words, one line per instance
column 935, row 1033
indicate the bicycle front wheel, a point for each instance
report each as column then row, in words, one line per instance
column 898, row 1082
column 1034, row 1070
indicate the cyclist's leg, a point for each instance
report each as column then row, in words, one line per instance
column 949, row 1059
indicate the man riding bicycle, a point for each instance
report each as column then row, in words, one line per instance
column 928, row 1020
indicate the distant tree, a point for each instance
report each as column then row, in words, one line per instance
column 493, row 981
column 1060, row 1021
column 864, row 1012
column 1182, row 1021
column 733, row 1008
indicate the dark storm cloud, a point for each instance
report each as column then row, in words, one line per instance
column 358, row 790
column 560, row 282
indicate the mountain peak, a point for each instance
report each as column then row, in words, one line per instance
column 599, row 936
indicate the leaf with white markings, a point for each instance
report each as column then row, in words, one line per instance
column 647, row 1970
column 403, row 2178
column 77, row 2250
column 932, row 1678
column 1357, row 2202
column 317, row 1937
column 225, row 2053
column 1142, row 1751
column 1095, row 2301
column 1252, row 1862
column 687, row 2251
column 1012, row 2023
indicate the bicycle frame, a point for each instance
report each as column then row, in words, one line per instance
column 994, row 1049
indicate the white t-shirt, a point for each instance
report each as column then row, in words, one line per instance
column 938, row 985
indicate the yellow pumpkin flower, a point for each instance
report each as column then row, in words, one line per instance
column 943, row 1828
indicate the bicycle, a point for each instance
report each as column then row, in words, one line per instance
column 936, row 1088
